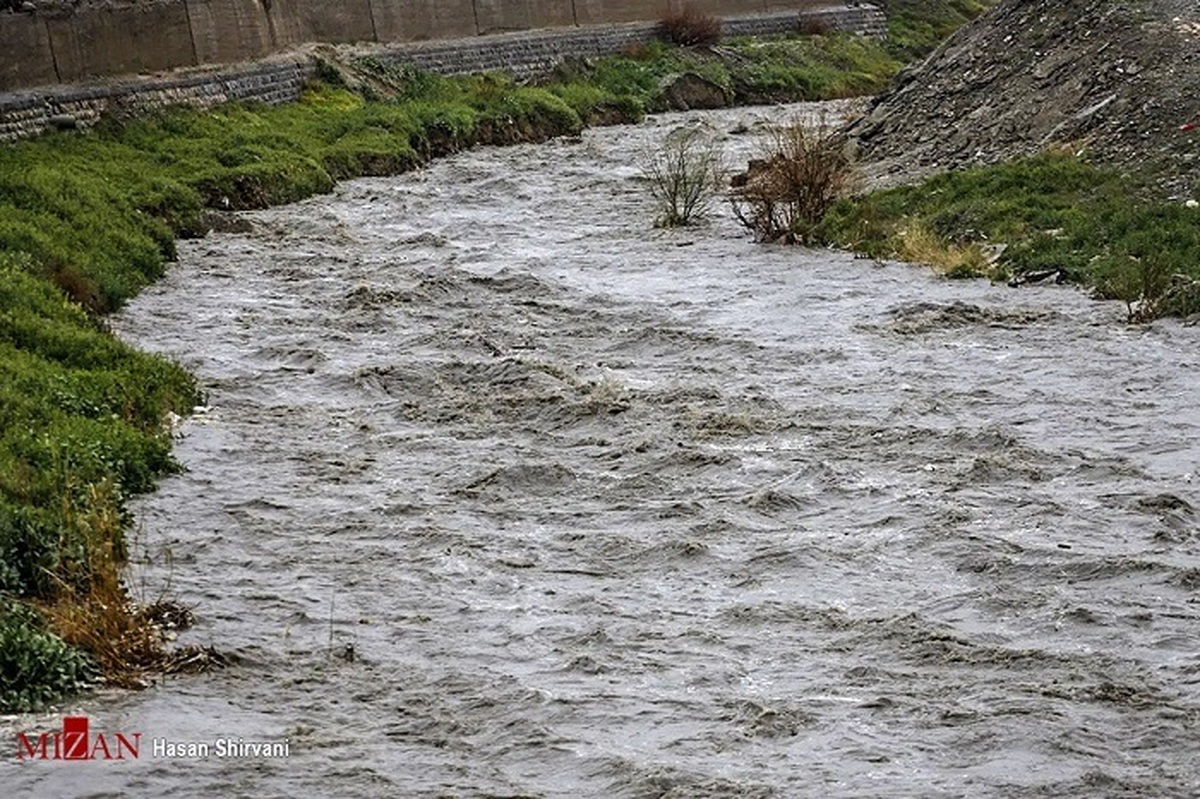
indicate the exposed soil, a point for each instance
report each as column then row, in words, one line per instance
column 1118, row 80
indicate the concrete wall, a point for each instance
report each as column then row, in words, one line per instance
column 273, row 80
column 226, row 31
column 158, row 35
column 496, row 16
column 120, row 41
column 281, row 78
column 728, row 8
column 599, row 12
column 26, row 56
column 418, row 20
column 296, row 22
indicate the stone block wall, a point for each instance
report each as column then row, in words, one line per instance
column 28, row 113
column 281, row 78
column 155, row 35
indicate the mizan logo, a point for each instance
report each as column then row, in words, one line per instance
column 76, row 742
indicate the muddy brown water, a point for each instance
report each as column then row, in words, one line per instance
column 502, row 492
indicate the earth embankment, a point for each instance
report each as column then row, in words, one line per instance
column 1117, row 80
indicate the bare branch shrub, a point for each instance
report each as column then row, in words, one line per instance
column 783, row 196
column 685, row 172
column 691, row 28
column 814, row 26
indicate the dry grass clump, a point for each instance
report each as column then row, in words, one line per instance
column 919, row 244
column 691, row 28
column 91, row 607
column 783, row 196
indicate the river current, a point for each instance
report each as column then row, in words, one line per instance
column 500, row 491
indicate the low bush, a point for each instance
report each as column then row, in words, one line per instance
column 784, row 195
column 684, row 173
column 691, row 28
column 36, row 666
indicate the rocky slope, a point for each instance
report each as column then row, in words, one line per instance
column 1118, row 79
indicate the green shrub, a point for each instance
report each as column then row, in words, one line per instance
column 36, row 666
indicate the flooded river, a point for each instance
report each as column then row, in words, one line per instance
column 502, row 492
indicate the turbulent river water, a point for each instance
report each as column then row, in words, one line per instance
column 500, row 491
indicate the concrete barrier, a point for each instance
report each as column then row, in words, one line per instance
column 497, row 16
column 226, row 31
column 295, row 22
column 418, row 20
column 121, row 41
column 599, row 12
column 112, row 41
column 725, row 8
column 159, row 35
column 28, row 58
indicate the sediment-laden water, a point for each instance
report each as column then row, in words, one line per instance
column 502, row 492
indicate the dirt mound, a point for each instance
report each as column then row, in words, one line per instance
column 1116, row 79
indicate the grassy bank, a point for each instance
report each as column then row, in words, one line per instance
column 916, row 27
column 1051, row 216
column 750, row 71
column 87, row 220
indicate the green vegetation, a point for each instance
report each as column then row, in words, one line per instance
column 86, row 221
column 1053, row 214
column 751, row 71
column 36, row 667
column 80, row 429
column 916, row 27
column 821, row 65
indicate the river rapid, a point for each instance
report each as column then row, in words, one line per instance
column 502, row 492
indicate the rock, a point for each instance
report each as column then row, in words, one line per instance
column 64, row 122
column 688, row 91
column 1115, row 78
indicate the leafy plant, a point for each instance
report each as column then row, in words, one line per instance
column 36, row 666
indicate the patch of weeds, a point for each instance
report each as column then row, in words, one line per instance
column 36, row 666
column 1052, row 213
column 916, row 27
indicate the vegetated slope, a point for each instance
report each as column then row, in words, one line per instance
column 1117, row 79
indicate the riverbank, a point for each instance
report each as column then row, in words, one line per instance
column 95, row 217
column 1052, row 217
column 504, row 491
column 1047, row 141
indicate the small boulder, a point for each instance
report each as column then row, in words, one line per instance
column 687, row 91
